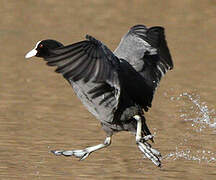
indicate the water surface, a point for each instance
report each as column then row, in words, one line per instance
column 39, row 111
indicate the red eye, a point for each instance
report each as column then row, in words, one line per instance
column 41, row 45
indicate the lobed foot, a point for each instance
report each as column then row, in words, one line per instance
column 82, row 154
column 150, row 153
column 148, row 137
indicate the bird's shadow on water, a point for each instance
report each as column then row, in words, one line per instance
column 200, row 122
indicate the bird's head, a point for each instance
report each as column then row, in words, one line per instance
column 43, row 48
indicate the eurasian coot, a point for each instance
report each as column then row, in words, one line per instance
column 115, row 87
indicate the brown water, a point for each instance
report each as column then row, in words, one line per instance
column 39, row 111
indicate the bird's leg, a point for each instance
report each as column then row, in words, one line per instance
column 83, row 153
column 145, row 147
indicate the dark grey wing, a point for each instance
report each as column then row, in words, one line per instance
column 85, row 60
column 91, row 68
column 147, row 51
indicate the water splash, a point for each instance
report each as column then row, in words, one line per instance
column 195, row 111
column 201, row 117
column 199, row 155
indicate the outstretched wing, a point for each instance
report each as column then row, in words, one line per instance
column 85, row 60
column 91, row 68
column 147, row 51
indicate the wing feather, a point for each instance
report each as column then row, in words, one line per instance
column 90, row 61
column 147, row 51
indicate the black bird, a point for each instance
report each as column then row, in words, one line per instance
column 115, row 87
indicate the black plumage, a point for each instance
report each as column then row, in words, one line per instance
column 117, row 86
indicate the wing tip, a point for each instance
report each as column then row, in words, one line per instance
column 139, row 28
column 93, row 40
column 160, row 28
column 90, row 38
